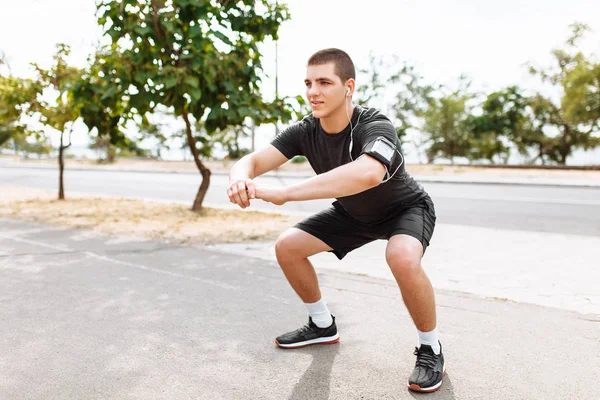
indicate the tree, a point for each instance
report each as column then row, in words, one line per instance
column 412, row 95
column 200, row 58
column 378, row 77
column 101, row 100
column 445, row 123
column 5, row 134
column 155, row 132
column 504, row 119
column 230, row 139
column 543, row 116
column 576, row 118
column 18, row 98
column 62, row 113
column 34, row 143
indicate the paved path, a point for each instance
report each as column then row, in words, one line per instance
column 549, row 269
column 89, row 316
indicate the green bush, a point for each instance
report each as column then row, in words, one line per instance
column 298, row 159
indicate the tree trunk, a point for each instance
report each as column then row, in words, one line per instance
column 111, row 151
column 205, row 172
column 565, row 147
column 61, row 168
column 563, row 158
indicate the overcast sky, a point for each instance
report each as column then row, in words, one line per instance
column 488, row 40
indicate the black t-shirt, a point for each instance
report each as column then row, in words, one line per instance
column 325, row 151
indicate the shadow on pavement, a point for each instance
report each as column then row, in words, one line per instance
column 316, row 380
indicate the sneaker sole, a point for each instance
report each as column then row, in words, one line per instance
column 417, row 388
column 322, row 340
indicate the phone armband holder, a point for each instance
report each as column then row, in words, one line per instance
column 382, row 150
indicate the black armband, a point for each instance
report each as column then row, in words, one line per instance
column 382, row 150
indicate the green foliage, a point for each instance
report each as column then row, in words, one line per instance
column 535, row 137
column 297, row 107
column 155, row 132
column 59, row 78
column 107, row 152
column 5, row 134
column 229, row 138
column 298, row 160
column 577, row 117
column 18, row 98
column 445, row 124
column 101, row 100
column 194, row 56
column 503, row 120
column 199, row 58
column 26, row 146
column 453, row 125
column 412, row 95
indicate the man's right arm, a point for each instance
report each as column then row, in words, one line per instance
column 241, row 187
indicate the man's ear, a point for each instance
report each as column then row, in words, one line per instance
column 350, row 84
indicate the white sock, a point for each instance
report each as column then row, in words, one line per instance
column 319, row 313
column 430, row 338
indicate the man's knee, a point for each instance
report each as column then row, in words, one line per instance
column 403, row 255
column 285, row 244
column 294, row 244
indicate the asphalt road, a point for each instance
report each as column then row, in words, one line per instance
column 529, row 208
column 87, row 316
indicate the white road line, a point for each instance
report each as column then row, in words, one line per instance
column 36, row 243
column 125, row 263
column 160, row 271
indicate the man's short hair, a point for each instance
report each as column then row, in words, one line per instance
column 342, row 63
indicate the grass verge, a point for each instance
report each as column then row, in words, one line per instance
column 147, row 219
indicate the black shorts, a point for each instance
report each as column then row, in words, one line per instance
column 340, row 231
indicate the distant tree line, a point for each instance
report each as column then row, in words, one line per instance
column 456, row 123
column 199, row 62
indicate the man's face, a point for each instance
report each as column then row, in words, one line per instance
column 324, row 90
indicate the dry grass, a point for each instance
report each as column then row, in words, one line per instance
column 152, row 220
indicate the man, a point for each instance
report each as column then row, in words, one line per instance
column 356, row 155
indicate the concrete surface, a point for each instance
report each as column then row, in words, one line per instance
column 549, row 269
column 89, row 316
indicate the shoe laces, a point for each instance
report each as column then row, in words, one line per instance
column 306, row 328
column 425, row 358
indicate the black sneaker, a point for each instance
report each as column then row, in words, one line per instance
column 429, row 370
column 309, row 334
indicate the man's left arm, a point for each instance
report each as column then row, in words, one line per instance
column 348, row 179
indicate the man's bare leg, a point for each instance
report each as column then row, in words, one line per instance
column 293, row 248
column 403, row 254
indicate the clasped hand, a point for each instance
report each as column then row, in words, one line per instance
column 241, row 191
